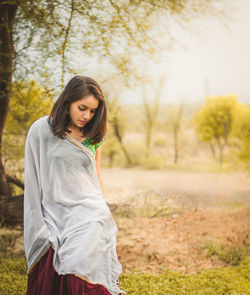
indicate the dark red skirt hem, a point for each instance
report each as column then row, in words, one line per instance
column 44, row 280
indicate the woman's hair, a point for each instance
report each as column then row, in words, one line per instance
column 76, row 89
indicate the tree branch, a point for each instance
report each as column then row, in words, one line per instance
column 65, row 41
column 15, row 180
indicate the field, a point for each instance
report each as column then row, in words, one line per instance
column 179, row 233
column 175, row 220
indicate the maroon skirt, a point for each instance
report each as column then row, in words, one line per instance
column 44, row 280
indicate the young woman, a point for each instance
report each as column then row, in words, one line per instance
column 69, row 232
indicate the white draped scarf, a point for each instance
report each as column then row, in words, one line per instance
column 64, row 207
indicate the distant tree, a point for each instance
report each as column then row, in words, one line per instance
column 214, row 122
column 241, row 130
column 112, row 143
column 116, row 121
column 112, row 146
column 174, row 122
column 151, row 110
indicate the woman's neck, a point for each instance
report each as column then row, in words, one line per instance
column 76, row 133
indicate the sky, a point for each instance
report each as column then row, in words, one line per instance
column 216, row 62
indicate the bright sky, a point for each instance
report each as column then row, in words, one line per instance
column 216, row 64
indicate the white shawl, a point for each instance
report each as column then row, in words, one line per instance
column 64, row 207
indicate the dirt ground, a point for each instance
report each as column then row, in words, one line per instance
column 205, row 209
column 209, row 209
column 151, row 244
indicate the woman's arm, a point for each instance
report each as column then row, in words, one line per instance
column 98, row 161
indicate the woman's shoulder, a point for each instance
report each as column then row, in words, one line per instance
column 98, row 144
column 39, row 122
column 39, row 126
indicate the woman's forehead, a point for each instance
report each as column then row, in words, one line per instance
column 88, row 101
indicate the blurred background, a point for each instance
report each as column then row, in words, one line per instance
column 176, row 159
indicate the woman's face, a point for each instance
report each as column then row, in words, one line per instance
column 83, row 110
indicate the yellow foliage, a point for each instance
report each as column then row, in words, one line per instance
column 29, row 101
column 242, row 131
column 221, row 118
column 216, row 117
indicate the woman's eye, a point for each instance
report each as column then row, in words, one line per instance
column 93, row 111
column 81, row 109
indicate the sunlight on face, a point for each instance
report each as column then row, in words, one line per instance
column 83, row 110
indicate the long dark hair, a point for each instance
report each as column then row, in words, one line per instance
column 77, row 88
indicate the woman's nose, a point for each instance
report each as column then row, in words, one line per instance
column 86, row 115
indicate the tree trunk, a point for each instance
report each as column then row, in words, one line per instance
column 118, row 136
column 212, row 150
column 11, row 210
column 7, row 18
column 221, row 149
column 176, row 145
column 176, row 124
column 111, row 158
column 148, row 139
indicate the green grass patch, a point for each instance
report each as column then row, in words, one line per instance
column 231, row 255
column 13, row 278
column 7, row 242
column 231, row 280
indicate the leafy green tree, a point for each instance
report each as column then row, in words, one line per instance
column 214, row 122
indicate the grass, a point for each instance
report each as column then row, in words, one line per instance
column 231, row 280
column 146, row 204
column 13, row 278
column 231, row 255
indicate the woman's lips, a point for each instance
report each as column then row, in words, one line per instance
column 83, row 122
